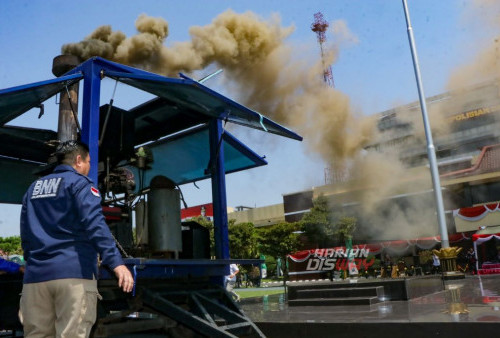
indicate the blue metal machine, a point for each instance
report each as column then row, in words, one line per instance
column 182, row 128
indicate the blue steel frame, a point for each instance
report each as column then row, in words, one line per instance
column 90, row 135
column 218, row 189
column 92, row 71
column 90, row 113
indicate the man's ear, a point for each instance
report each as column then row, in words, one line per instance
column 78, row 159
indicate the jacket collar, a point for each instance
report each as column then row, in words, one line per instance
column 64, row 167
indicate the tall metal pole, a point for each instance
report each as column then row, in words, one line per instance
column 90, row 112
column 218, row 174
column 431, row 153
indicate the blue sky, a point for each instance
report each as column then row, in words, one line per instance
column 376, row 73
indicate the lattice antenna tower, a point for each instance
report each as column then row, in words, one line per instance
column 319, row 27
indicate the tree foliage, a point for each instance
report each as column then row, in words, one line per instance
column 11, row 245
column 279, row 240
column 345, row 228
column 319, row 224
column 201, row 220
column 243, row 241
column 326, row 227
column 242, row 237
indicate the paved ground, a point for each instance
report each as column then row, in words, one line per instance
column 473, row 299
column 466, row 308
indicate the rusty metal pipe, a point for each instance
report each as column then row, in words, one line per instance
column 67, row 126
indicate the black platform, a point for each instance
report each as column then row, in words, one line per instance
column 334, row 294
column 464, row 308
column 372, row 330
column 392, row 289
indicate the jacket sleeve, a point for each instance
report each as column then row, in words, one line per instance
column 92, row 219
column 24, row 245
column 9, row 267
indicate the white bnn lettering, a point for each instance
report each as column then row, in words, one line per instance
column 45, row 187
column 49, row 186
column 53, row 185
column 36, row 189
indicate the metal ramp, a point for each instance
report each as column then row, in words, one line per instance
column 172, row 312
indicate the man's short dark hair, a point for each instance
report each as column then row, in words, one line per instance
column 67, row 151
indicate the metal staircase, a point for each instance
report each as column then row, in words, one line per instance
column 204, row 311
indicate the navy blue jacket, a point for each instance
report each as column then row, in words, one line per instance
column 63, row 228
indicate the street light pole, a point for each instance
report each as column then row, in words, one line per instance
column 431, row 153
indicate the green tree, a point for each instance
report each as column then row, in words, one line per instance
column 12, row 245
column 243, row 241
column 280, row 240
column 345, row 227
column 319, row 224
column 271, row 265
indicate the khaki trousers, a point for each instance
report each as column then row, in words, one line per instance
column 229, row 288
column 59, row 308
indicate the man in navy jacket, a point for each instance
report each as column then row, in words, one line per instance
column 62, row 232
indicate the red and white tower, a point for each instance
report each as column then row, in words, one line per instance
column 319, row 26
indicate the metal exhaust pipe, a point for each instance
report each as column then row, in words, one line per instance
column 68, row 103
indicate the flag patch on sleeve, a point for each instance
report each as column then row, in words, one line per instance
column 95, row 192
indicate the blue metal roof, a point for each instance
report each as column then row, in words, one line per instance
column 16, row 101
column 190, row 96
column 185, row 158
column 197, row 99
column 174, row 126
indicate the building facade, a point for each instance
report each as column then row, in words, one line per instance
column 466, row 132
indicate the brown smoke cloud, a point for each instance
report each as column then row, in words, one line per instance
column 260, row 66
column 269, row 75
column 342, row 33
column 482, row 68
column 484, row 16
column 420, row 218
column 485, row 65
column 383, row 176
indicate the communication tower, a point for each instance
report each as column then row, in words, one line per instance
column 319, row 27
